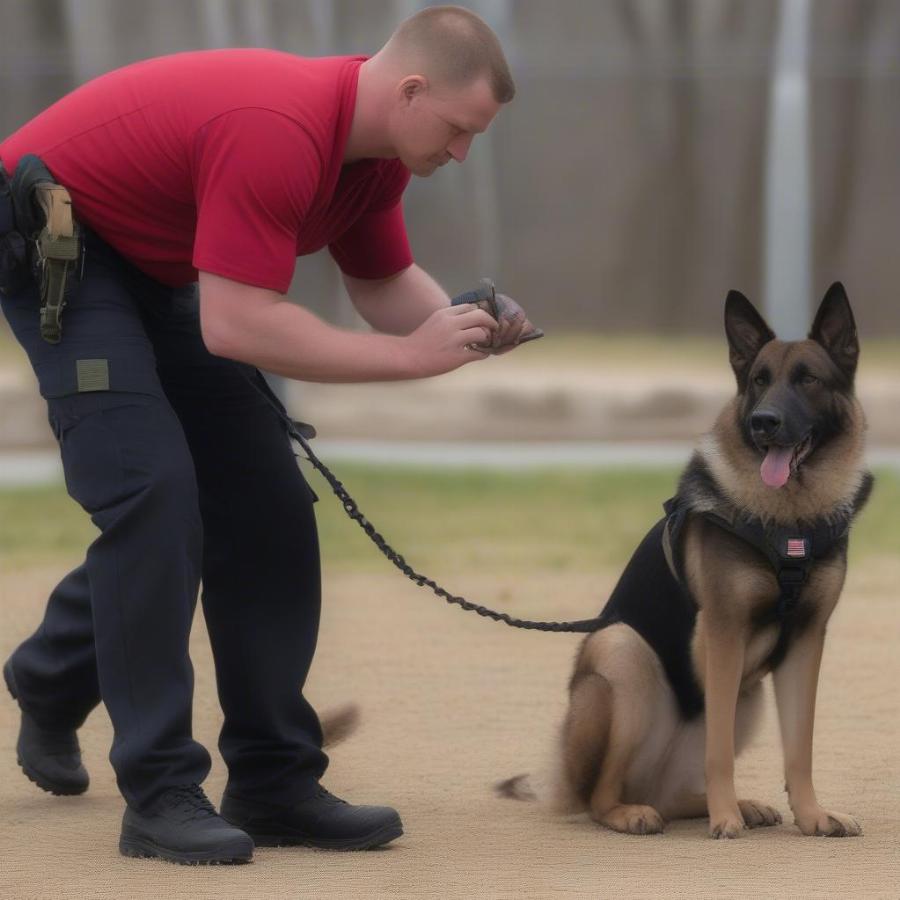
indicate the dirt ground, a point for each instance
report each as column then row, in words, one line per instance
column 451, row 703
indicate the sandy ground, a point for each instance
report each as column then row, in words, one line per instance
column 452, row 702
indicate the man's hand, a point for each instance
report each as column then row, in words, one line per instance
column 514, row 328
column 451, row 337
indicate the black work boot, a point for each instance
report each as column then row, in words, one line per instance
column 322, row 821
column 50, row 758
column 183, row 827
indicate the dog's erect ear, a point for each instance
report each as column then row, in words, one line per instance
column 747, row 332
column 835, row 329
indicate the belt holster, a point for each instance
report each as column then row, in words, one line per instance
column 44, row 216
column 59, row 251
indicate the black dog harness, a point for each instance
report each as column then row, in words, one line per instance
column 791, row 550
column 653, row 598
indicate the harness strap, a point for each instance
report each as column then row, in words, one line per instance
column 790, row 551
column 791, row 577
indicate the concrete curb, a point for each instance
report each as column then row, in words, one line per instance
column 42, row 466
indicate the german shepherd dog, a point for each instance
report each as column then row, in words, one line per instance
column 668, row 691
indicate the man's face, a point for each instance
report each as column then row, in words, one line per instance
column 432, row 125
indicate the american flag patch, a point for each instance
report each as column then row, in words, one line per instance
column 796, row 547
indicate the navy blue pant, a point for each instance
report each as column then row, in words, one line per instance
column 188, row 474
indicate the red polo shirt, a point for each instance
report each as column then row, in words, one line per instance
column 229, row 161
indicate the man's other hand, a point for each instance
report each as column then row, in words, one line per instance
column 513, row 328
column 451, row 337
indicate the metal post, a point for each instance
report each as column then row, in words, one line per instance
column 91, row 39
column 787, row 202
column 498, row 14
column 256, row 19
column 216, row 23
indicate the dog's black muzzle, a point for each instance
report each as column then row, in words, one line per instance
column 782, row 420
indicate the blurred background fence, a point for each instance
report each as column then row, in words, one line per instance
column 624, row 191
column 624, row 188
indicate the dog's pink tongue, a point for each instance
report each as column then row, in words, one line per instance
column 776, row 467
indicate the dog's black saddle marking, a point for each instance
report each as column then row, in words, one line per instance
column 649, row 599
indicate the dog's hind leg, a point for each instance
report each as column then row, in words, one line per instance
column 612, row 712
column 585, row 733
column 606, row 804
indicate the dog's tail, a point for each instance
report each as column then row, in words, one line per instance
column 516, row 788
column 339, row 723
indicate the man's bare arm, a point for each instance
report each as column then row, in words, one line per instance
column 260, row 327
column 399, row 304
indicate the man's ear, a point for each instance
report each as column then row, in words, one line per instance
column 835, row 329
column 747, row 333
column 412, row 86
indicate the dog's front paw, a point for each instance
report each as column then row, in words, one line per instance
column 633, row 819
column 758, row 815
column 821, row 823
column 726, row 825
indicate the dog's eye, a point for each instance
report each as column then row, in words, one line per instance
column 762, row 379
column 807, row 379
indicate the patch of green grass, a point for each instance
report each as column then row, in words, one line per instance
column 42, row 524
column 449, row 522
column 11, row 354
column 877, row 531
column 478, row 521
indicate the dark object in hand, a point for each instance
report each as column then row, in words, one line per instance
column 514, row 326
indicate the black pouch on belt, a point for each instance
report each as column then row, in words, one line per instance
column 14, row 270
column 43, row 215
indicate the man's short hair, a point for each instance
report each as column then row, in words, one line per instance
column 457, row 46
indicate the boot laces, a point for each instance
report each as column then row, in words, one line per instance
column 191, row 800
column 323, row 794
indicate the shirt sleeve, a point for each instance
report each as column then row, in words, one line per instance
column 256, row 173
column 376, row 245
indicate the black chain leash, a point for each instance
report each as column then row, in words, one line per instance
column 351, row 507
